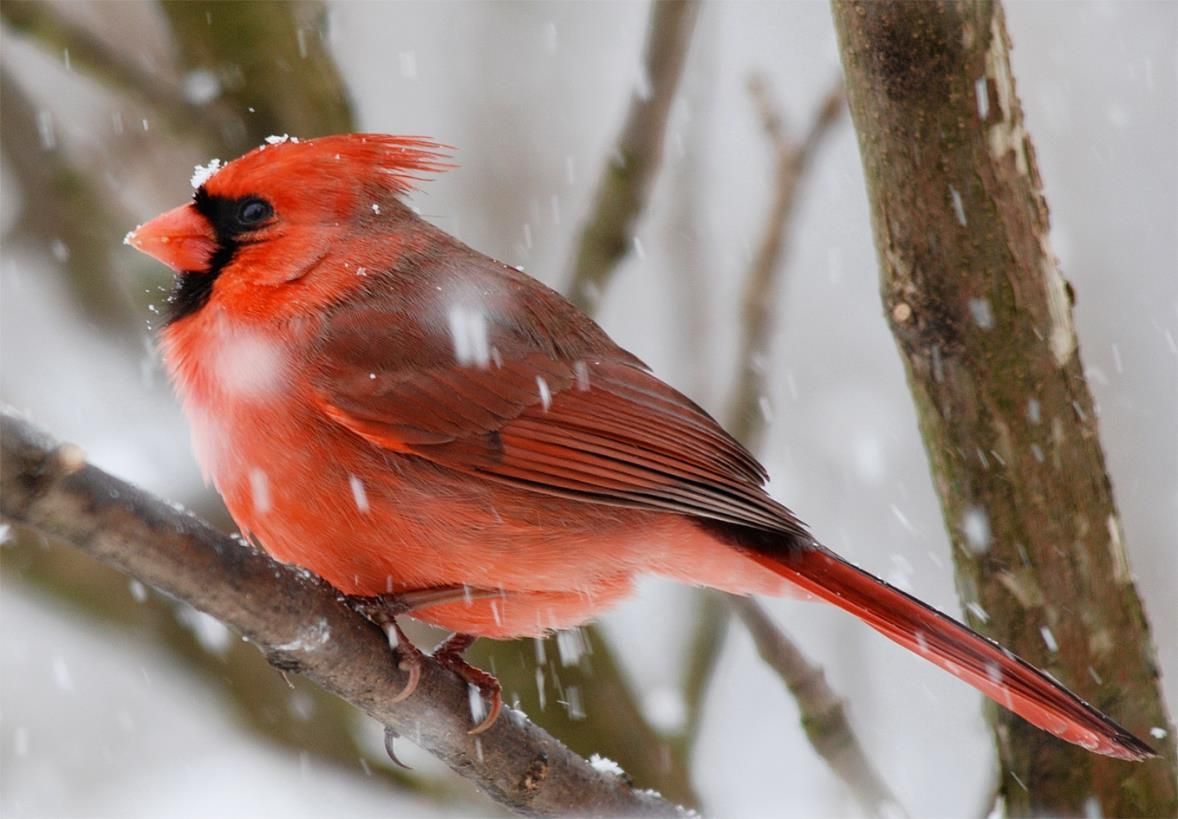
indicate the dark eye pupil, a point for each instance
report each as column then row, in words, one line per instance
column 253, row 211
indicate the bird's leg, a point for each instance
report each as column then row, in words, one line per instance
column 384, row 609
column 383, row 612
column 449, row 654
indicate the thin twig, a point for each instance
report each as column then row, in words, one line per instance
column 823, row 715
column 299, row 623
column 745, row 417
column 625, row 184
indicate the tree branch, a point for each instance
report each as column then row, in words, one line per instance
column 299, row 623
column 745, row 417
column 629, row 173
column 982, row 318
column 823, row 716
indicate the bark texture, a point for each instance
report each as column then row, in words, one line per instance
column 982, row 317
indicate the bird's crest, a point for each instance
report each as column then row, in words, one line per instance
column 395, row 163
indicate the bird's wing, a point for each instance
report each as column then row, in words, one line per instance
column 599, row 429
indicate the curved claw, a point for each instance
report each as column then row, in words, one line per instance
column 383, row 611
column 449, row 654
column 408, row 659
column 496, row 698
column 411, row 663
column 390, row 736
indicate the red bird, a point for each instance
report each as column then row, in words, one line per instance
column 436, row 431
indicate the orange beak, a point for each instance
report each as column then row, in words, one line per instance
column 182, row 239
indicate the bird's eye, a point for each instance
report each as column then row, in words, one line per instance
column 253, row 211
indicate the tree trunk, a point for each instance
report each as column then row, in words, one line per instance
column 982, row 317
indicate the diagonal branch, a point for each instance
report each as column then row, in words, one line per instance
column 823, row 716
column 299, row 623
column 625, row 185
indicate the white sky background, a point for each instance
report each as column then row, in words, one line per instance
column 526, row 93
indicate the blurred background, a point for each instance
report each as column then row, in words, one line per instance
column 115, row 701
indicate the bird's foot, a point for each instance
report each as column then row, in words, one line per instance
column 449, row 654
column 383, row 611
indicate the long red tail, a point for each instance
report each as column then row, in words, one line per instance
column 979, row 661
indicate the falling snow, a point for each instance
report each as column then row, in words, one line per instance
column 665, row 708
column 977, row 611
column 581, row 374
column 359, row 495
column 958, row 208
column 1049, row 639
column 201, row 87
column 260, row 490
column 572, row 703
column 468, row 333
column 212, row 635
column 478, row 708
column 975, row 525
column 1033, row 411
column 982, row 93
column 571, row 646
column 983, row 315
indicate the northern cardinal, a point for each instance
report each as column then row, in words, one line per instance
column 420, row 424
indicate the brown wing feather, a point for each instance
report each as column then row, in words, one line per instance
column 624, row 438
column 558, row 408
